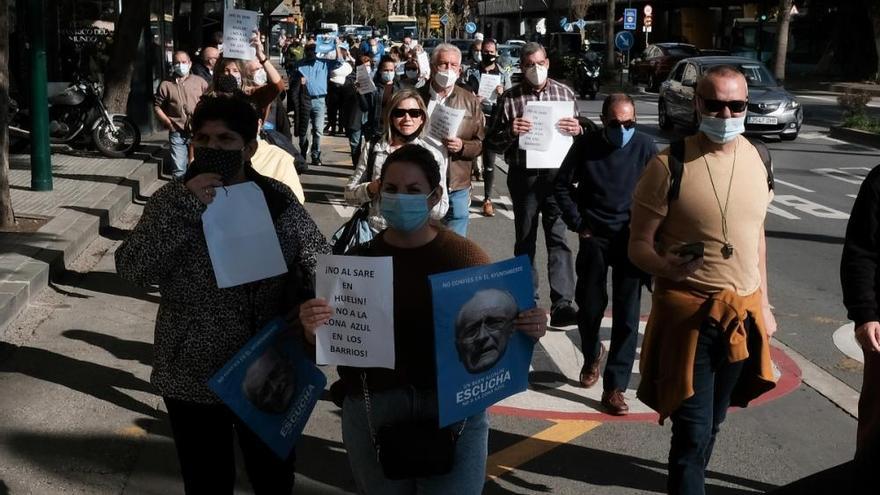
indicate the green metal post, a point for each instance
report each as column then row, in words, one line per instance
column 41, row 165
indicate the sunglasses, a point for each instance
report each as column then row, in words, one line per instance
column 626, row 124
column 414, row 113
column 735, row 106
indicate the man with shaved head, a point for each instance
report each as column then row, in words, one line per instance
column 205, row 67
column 483, row 327
column 698, row 226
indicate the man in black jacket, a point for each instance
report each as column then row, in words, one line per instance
column 594, row 190
column 859, row 276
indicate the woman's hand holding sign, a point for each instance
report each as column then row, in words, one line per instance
column 532, row 322
column 312, row 314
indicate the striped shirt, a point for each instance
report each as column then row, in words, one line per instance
column 512, row 104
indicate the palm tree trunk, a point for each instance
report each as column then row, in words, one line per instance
column 783, row 23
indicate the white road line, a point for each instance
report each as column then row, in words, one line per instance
column 852, row 196
column 823, row 382
column 840, row 175
column 820, row 98
column 795, row 186
column 771, row 208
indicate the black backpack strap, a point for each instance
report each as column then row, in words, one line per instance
column 676, row 169
column 764, row 153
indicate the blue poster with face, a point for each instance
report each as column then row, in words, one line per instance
column 481, row 358
column 272, row 386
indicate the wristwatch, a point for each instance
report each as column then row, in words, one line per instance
column 263, row 62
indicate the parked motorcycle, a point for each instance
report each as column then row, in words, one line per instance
column 588, row 72
column 78, row 116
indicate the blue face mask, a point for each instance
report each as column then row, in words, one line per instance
column 405, row 212
column 722, row 130
column 619, row 136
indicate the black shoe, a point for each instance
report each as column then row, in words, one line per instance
column 316, row 162
column 563, row 316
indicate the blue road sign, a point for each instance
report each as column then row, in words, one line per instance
column 444, row 19
column 629, row 19
column 581, row 23
column 563, row 22
column 624, row 41
column 470, row 27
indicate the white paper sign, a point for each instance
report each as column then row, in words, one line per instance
column 238, row 28
column 241, row 237
column 543, row 119
column 424, row 64
column 365, row 82
column 559, row 143
column 361, row 331
column 444, row 122
column 488, row 86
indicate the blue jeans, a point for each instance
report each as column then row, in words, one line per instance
column 595, row 255
column 179, row 152
column 531, row 192
column 459, row 211
column 316, row 124
column 469, row 468
column 697, row 421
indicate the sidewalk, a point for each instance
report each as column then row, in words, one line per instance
column 89, row 191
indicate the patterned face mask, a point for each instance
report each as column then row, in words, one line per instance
column 226, row 163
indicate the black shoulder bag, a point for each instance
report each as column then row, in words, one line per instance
column 348, row 236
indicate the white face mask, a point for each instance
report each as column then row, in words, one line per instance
column 181, row 69
column 260, row 77
column 446, row 79
column 478, row 57
column 722, row 130
column 412, row 74
column 537, row 75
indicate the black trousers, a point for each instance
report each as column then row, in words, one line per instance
column 334, row 106
column 203, row 435
column 595, row 255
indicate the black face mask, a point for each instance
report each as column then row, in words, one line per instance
column 226, row 163
column 407, row 139
column 489, row 59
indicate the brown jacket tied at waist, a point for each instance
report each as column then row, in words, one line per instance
column 669, row 348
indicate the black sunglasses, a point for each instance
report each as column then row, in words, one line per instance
column 626, row 124
column 735, row 106
column 413, row 113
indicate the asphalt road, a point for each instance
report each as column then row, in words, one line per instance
column 84, row 419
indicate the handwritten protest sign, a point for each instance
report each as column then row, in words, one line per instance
column 489, row 86
column 272, row 386
column 559, row 144
column 238, row 28
column 364, row 80
column 444, row 122
column 361, row 331
column 481, row 358
column 424, row 64
column 543, row 120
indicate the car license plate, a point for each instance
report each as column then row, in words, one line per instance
column 761, row 120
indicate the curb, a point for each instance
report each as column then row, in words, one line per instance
column 855, row 136
column 873, row 90
column 64, row 238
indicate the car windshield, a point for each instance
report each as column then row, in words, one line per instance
column 681, row 51
column 757, row 76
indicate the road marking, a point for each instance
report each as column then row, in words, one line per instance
column 852, row 196
column 794, row 186
column 771, row 208
column 809, row 207
column 845, row 340
column 508, row 459
column 840, row 175
column 820, row 98
column 823, row 382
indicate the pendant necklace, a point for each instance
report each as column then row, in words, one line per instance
column 727, row 248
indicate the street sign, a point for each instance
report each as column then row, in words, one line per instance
column 581, row 23
column 434, row 22
column 470, row 28
column 648, row 21
column 569, row 27
column 648, row 10
column 563, row 22
column 629, row 19
column 646, row 29
column 444, row 20
column 624, row 41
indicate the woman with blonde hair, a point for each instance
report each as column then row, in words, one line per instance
column 403, row 122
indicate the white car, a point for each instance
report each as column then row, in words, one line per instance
column 514, row 42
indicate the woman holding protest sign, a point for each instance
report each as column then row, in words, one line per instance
column 404, row 122
column 201, row 326
column 394, row 411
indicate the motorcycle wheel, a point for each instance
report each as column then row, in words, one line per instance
column 117, row 144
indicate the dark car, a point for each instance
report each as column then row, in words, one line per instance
column 771, row 109
column 653, row 65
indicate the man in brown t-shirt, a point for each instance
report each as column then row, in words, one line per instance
column 174, row 103
column 722, row 204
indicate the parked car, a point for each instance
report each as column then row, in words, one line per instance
column 508, row 56
column 771, row 109
column 515, row 42
column 653, row 65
